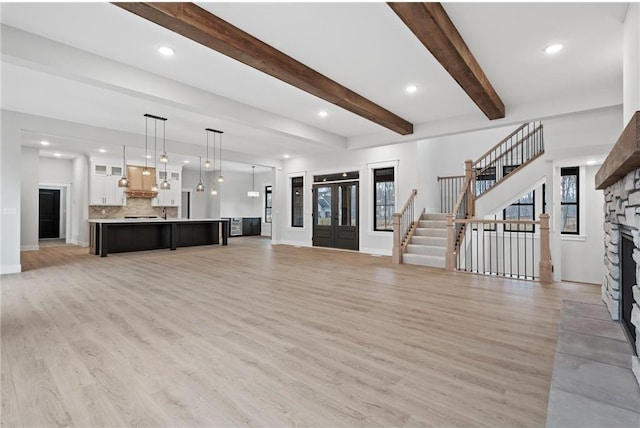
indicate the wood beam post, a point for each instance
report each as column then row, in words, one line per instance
column 396, row 255
column 197, row 24
column 433, row 27
column 546, row 265
column 450, row 262
column 469, row 177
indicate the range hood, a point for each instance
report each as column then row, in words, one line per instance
column 140, row 185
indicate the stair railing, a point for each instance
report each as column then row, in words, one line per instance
column 404, row 224
column 450, row 188
column 512, row 153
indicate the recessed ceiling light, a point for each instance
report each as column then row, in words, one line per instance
column 286, row 156
column 186, row 161
column 166, row 50
column 44, row 143
column 148, row 156
column 323, row 114
column 591, row 162
column 57, row 155
column 411, row 89
column 553, row 49
column 102, row 150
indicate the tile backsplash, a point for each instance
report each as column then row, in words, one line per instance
column 134, row 207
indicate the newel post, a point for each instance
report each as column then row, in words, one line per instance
column 396, row 255
column 451, row 244
column 471, row 196
column 546, row 266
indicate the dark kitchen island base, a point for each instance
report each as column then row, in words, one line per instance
column 119, row 236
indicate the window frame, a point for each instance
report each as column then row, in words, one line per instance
column 386, row 204
column 268, row 190
column 506, row 227
column 293, row 186
column 566, row 171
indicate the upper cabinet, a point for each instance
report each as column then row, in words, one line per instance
column 173, row 196
column 103, row 185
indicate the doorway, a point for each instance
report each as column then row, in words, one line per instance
column 335, row 214
column 49, row 214
column 186, row 204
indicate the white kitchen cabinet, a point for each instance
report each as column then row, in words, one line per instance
column 171, row 197
column 103, row 185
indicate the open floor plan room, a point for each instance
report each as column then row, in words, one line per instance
column 261, row 335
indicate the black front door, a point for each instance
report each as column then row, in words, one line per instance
column 49, row 226
column 335, row 215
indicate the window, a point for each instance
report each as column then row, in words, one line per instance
column 569, row 186
column 522, row 209
column 297, row 202
column 268, row 201
column 385, row 199
column 485, row 178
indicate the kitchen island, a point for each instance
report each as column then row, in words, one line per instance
column 122, row 235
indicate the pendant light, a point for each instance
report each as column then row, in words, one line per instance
column 253, row 193
column 154, row 186
column 214, row 191
column 124, row 182
column 146, row 171
column 207, row 163
column 165, row 185
column 200, row 186
column 220, row 177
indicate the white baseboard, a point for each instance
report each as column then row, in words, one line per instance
column 5, row 270
column 29, row 248
column 78, row 243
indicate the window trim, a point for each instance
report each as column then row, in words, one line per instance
column 293, row 205
column 268, row 190
column 571, row 170
column 375, row 205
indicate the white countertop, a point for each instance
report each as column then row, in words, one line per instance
column 152, row 220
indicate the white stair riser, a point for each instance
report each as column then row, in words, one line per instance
column 426, row 250
column 429, row 240
column 441, row 233
column 417, row 259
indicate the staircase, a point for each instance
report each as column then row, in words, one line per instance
column 428, row 245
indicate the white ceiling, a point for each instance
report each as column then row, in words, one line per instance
column 96, row 64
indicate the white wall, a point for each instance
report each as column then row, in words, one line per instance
column 582, row 255
column 234, row 201
column 631, row 63
column 80, row 201
column 201, row 202
column 29, row 199
column 403, row 156
column 9, row 195
column 58, row 171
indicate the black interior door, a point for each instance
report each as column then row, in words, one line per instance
column 335, row 215
column 49, row 225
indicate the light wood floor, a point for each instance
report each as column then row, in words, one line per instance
column 254, row 335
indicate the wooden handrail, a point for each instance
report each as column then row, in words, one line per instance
column 414, row 192
column 461, row 197
column 504, row 140
column 487, row 220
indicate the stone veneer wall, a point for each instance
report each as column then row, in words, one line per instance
column 622, row 208
column 134, row 206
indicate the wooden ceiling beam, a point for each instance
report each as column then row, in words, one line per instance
column 433, row 27
column 197, row 24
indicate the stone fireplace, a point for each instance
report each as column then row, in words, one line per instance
column 619, row 177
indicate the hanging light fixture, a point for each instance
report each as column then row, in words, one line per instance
column 124, row 182
column 207, row 163
column 253, row 193
column 220, row 177
column 200, row 186
column 214, row 191
column 154, row 186
column 165, row 185
column 146, row 171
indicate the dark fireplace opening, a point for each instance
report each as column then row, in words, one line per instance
column 627, row 281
